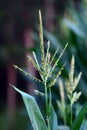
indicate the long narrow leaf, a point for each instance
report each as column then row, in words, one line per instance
column 63, row 127
column 78, row 121
column 33, row 110
column 54, row 123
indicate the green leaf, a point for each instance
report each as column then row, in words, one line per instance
column 84, row 126
column 54, row 123
column 33, row 110
column 63, row 127
column 78, row 121
column 72, row 26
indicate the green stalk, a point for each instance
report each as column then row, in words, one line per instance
column 71, row 111
column 48, row 106
column 46, row 96
column 71, row 116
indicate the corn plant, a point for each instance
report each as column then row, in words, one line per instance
column 71, row 93
column 48, row 80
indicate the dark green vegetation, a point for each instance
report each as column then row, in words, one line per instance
column 48, row 79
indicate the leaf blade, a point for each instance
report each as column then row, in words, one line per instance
column 33, row 110
column 54, row 123
column 78, row 121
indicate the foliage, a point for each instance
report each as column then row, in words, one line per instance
column 73, row 28
column 48, row 79
column 72, row 94
column 33, row 111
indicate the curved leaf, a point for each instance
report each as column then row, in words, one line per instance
column 84, row 126
column 72, row 26
column 63, row 127
column 78, row 121
column 33, row 110
column 54, row 123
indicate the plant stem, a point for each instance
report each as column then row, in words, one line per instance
column 46, row 96
column 48, row 105
column 71, row 112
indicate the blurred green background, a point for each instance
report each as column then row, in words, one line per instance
column 63, row 21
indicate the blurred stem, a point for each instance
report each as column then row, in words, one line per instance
column 71, row 111
column 64, row 113
column 50, row 104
